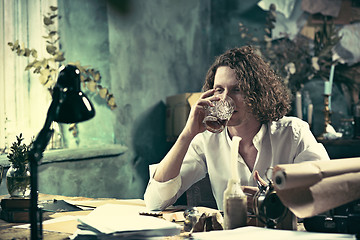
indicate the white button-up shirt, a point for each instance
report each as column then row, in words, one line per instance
column 288, row 140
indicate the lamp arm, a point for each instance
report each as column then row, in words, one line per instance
column 35, row 156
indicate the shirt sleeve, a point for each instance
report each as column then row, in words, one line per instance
column 159, row 195
column 308, row 149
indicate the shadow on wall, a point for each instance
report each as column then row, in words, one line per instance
column 122, row 6
column 149, row 140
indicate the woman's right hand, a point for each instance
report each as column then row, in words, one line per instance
column 194, row 124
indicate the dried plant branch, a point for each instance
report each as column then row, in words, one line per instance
column 47, row 67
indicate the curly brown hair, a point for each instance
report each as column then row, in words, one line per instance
column 264, row 91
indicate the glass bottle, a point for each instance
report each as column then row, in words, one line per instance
column 235, row 205
column 347, row 128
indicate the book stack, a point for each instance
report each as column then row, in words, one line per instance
column 15, row 210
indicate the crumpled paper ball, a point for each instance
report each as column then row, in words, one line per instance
column 196, row 221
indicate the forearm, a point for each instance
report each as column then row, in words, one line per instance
column 170, row 166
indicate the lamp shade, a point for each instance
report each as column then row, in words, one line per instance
column 74, row 105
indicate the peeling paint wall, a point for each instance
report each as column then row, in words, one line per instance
column 145, row 51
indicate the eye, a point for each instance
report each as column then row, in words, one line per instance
column 219, row 90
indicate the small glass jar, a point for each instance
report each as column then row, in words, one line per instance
column 18, row 181
column 347, row 128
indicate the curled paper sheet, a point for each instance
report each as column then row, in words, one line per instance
column 313, row 187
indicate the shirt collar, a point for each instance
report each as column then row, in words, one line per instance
column 257, row 138
column 226, row 130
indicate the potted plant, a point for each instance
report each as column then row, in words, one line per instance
column 18, row 175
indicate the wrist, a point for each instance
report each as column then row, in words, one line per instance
column 186, row 135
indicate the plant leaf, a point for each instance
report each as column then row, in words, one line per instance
column 37, row 64
column 20, row 52
column 91, row 85
column 16, row 44
column 44, row 76
column 52, row 33
column 82, row 78
column 30, row 65
column 97, row 76
column 111, row 102
column 59, row 57
column 48, row 21
column 103, row 92
column 27, row 52
column 51, row 49
column 34, row 53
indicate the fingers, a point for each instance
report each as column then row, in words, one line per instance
column 194, row 124
column 249, row 190
column 259, row 179
column 207, row 98
column 250, row 193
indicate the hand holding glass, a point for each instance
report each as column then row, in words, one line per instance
column 217, row 116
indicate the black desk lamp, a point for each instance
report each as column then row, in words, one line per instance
column 69, row 105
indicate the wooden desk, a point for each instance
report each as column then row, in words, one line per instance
column 7, row 232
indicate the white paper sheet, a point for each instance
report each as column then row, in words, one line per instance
column 268, row 234
column 110, row 219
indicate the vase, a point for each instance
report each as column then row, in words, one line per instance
column 18, row 181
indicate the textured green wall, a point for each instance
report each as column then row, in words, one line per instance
column 145, row 51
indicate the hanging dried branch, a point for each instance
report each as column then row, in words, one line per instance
column 47, row 67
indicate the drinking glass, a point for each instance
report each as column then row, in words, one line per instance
column 347, row 128
column 217, row 116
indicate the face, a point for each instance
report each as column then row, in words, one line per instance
column 225, row 83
